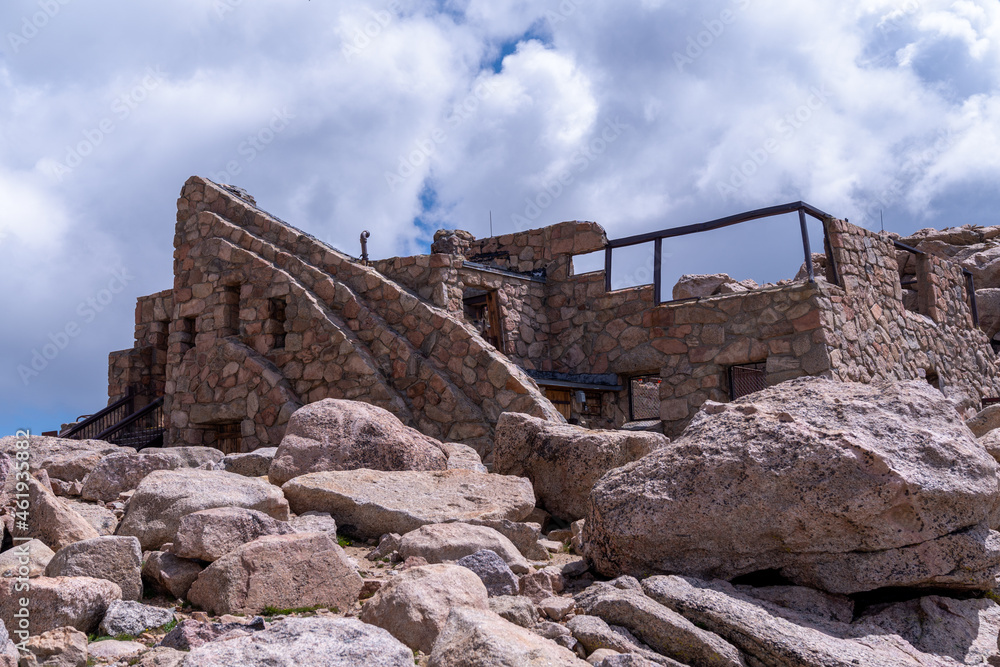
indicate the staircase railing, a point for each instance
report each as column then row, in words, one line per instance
column 91, row 427
column 141, row 429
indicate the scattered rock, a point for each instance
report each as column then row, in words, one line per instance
column 314, row 522
column 76, row 602
column 160, row 656
column 564, row 461
column 166, row 572
column 250, row 464
column 415, row 604
column 557, row 608
column 463, row 457
column 27, row 559
column 371, row 503
column 192, row 633
column 283, row 571
column 541, row 585
column 51, row 521
column 335, row 434
column 102, row 519
column 694, row 285
column 904, row 496
column 388, row 545
column 479, row 638
column 986, row 420
column 210, row 534
column 441, row 542
column 663, row 629
column 165, row 496
column 117, row 559
column 127, row 617
column 806, row 601
column 63, row 459
column 59, row 647
column 124, row 471
column 495, row 574
column 515, row 608
column 114, row 650
column 298, row 642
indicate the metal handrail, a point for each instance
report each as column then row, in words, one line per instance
column 131, row 419
column 657, row 238
column 128, row 398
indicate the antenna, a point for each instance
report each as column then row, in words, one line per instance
column 491, row 223
column 880, row 222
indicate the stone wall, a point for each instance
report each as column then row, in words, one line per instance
column 143, row 367
column 871, row 334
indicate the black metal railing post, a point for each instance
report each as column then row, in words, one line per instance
column 805, row 245
column 657, row 270
column 607, row 268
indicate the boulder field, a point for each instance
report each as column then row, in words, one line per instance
column 814, row 523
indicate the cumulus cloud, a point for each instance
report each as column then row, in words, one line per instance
column 402, row 116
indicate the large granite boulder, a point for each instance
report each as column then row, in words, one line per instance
column 371, row 503
column 839, row 486
column 8, row 651
column 164, row 496
column 336, row 434
column 52, row 521
column 60, row 647
column 282, row 571
column 480, row 638
column 27, row 559
column 415, row 604
column 77, row 602
column 127, row 617
column 210, row 534
column 63, row 459
column 564, row 461
column 112, row 557
column 440, row 542
column 123, row 471
column 165, row 572
column 299, row 642
column 249, row 464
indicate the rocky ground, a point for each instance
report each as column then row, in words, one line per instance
column 813, row 523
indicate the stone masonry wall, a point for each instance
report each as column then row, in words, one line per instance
column 143, row 367
column 873, row 336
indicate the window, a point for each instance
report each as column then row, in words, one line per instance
column 482, row 310
column 644, row 397
column 276, row 322
column 229, row 439
column 187, row 331
column 746, row 379
column 592, row 403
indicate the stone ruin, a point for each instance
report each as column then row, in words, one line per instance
column 264, row 318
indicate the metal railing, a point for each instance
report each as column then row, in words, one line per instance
column 802, row 208
column 140, row 429
column 91, row 427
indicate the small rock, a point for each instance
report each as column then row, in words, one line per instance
column 515, row 608
column 160, row 656
column 314, row 522
column 249, row 464
column 112, row 649
column 76, row 602
column 210, row 534
column 192, row 633
column 451, row 541
column 542, row 584
column 37, row 554
column 169, row 573
column 493, row 571
column 557, row 608
column 388, row 544
column 60, row 647
column 127, row 617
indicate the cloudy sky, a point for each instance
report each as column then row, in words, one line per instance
column 405, row 116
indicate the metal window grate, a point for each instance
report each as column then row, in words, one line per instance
column 746, row 379
column 644, row 397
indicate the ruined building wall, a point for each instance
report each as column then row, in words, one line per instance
column 143, row 367
column 873, row 336
column 347, row 331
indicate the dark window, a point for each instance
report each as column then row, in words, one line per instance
column 482, row 310
column 592, row 404
column 229, row 315
column 186, row 329
column 746, row 379
column 276, row 322
column 229, row 438
column 644, row 397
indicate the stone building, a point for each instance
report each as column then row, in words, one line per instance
column 263, row 318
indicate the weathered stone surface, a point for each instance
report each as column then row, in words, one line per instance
column 127, row 617
column 59, row 647
column 663, row 629
column 314, row 522
column 191, row 633
column 52, row 521
column 694, row 285
column 210, row 534
column 117, row 559
column 27, row 559
column 524, row 534
column 415, row 604
column 335, row 434
column 985, row 420
column 988, row 305
column 991, row 442
column 542, row 584
column 166, row 572
column 283, row 571
column 109, row 650
column 904, row 495
column 480, row 638
column 594, row 634
column 371, row 503
column 124, row 471
column 804, row 600
column 165, row 496
column 250, row 464
column 515, row 608
column 495, row 574
column 63, row 459
column 76, row 602
column 102, row 519
column 441, row 542
column 564, row 461
column 160, row 656
column 462, row 457
column 298, row 642
column 776, row 635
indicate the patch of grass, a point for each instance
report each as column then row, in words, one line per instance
column 343, row 541
column 167, row 627
column 274, row 611
column 992, row 595
column 93, row 637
